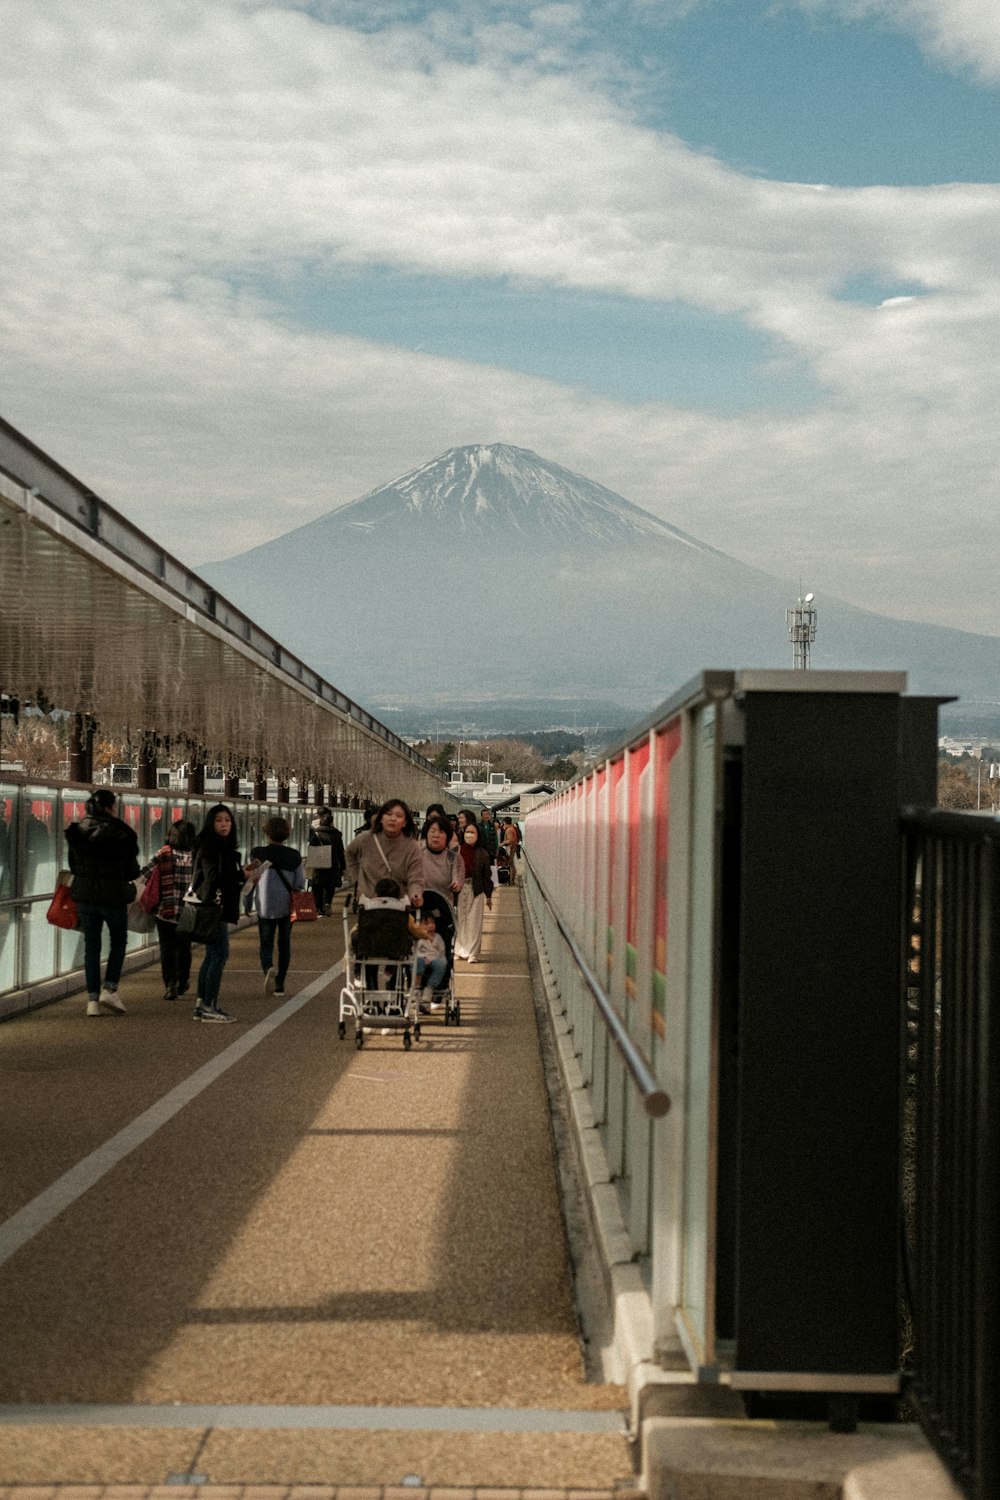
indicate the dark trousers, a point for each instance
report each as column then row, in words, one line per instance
column 175, row 954
column 324, row 887
column 267, row 929
column 93, row 919
column 212, row 965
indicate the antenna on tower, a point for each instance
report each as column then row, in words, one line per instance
column 801, row 622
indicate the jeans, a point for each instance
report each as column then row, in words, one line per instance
column 212, row 965
column 267, row 929
column 432, row 974
column 92, row 920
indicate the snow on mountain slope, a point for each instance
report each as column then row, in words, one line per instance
column 475, row 493
column 499, row 486
column 491, row 567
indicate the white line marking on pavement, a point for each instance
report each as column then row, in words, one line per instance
column 357, row 1418
column 35, row 1216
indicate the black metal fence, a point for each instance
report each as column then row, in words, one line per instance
column 951, row 965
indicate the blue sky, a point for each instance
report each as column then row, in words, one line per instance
column 818, row 98
column 735, row 259
column 634, row 351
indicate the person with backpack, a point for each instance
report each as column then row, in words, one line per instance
column 280, row 871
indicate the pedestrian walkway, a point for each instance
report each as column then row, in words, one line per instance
column 252, row 1255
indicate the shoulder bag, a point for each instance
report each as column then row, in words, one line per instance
column 201, row 921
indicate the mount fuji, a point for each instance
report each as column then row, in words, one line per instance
column 493, row 574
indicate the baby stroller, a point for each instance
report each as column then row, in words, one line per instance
column 443, row 998
column 503, row 868
column 378, row 990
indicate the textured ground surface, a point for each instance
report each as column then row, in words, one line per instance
column 319, row 1227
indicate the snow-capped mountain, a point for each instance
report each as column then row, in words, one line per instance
column 493, row 573
column 476, row 491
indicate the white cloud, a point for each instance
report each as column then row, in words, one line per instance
column 961, row 33
column 158, row 156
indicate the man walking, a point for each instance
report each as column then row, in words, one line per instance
column 104, row 858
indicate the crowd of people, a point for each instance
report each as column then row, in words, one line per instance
column 445, row 875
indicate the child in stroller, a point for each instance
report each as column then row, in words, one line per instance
column 379, row 990
column 436, row 981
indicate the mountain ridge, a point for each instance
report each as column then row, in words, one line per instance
column 478, row 487
column 491, row 565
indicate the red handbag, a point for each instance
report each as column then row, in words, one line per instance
column 150, row 898
column 62, row 910
column 303, row 907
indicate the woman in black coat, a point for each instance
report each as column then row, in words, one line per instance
column 216, row 878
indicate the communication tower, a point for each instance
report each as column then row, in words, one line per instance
column 801, row 621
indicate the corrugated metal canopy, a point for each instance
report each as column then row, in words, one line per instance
column 96, row 619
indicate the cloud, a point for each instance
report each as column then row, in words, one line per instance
column 162, row 159
column 961, row 33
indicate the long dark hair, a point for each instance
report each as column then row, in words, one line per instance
column 208, row 834
column 409, row 827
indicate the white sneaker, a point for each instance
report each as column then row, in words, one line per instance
column 269, row 978
column 93, row 1007
column 109, row 999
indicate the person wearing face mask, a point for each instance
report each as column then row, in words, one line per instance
column 474, row 897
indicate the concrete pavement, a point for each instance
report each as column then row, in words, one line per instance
column 259, row 1218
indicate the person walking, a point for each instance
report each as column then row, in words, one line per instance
column 475, row 896
column 103, row 854
column 388, row 848
column 327, row 879
column 174, row 862
column 512, row 844
column 488, row 833
column 281, row 873
column 216, row 878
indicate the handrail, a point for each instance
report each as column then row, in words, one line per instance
column 654, row 1100
column 967, row 826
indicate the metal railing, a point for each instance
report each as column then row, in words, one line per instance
column 51, row 486
column 951, row 966
column 654, row 1099
column 34, row 814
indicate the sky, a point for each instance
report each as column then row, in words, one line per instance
column 738, row 260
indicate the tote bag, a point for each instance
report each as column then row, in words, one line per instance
column 137, row 918
column 303, row 904
column 303, row 907
column 62, row 910
column 149, row 896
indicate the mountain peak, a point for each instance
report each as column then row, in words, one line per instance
column 485, row 488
